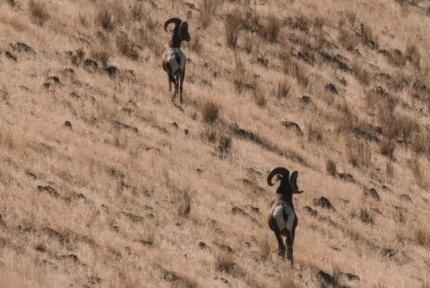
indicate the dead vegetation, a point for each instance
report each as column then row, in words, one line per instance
column 121, row 177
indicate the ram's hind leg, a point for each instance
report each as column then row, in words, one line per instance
column 277, row 231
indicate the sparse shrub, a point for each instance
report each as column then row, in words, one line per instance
column 265, row 249
column 271, row 28
column 283, row 89
column 396, row 58
column 126, row 46
column 387, row 147
column 415, row 166
column 38, row 11
column 12, row 3
column 259, row 97
column 358, row 153
column 137, row 12
column 366, row 217
column 295, row 69
column 348, row 39
column 224, row 262
column 233, row 25
column 421, row 143
column 196, row 44
column 422, row 237
column 101, row 54
column 314, row 132
column 210, row 112
column 224, row 144
column 240, row 76
column 110, row 15
column 184, row 203
column 331, row 167
column 389, row 169
column 413, row 55
column 207, row 11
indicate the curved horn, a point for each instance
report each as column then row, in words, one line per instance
column 278, row 171
column 177, row 21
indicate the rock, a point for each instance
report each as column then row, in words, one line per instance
column 331, row 88
column 91, row 66
column 306, row 99
column 11, row 56
column 365, row 135
column 52, row 81
column 311, row 211
column 346, row 177
column 373, row 193
column 112, row 71
column 405, row 197
column 48, row 189
column 203, row 245
column 326, row 280
column 21, row 47
column 323, row 202
column 292, row 126
column 388, row 252
column 67, row 124
column 120, row 125
column 40, row 248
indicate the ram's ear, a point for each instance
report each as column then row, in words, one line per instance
column 293, row 178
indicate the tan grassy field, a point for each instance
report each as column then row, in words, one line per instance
column 105, row 183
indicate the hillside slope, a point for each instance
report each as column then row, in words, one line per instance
column 104, row 182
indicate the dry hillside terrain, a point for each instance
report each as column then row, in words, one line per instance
column 104, row 182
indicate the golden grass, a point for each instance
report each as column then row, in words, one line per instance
column 144, row 191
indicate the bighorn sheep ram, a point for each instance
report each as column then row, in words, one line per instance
column 283, row 219
column 174, row 60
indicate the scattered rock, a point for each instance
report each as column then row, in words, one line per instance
column 147, row 243
column 21, row 47
column 238, row 211
column 112, row 71
column 331, row 88
column 293, row 126
column 51, row 82
column 2, row 223
column 405, row 197
column 366, row 217
column 120, row 125
column 91, row 66
column 311, row 211
column 306, row 99
column 40, row 248
column 67, row 124
column 11, row 56
column 388, row 252
column 323, row 202
column 48, row 189
column 373, row 193
column 365, row 135
column 202, row 245
column 346, row 177
column 326, row 280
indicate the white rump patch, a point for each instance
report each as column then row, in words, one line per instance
column 279, row 214
column 172, row 55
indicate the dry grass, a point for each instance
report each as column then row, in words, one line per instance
column 144, row 191
column 38, row 11
column 210, row 112
column 127, row 47
column 358, row 153
column 208, row 9
column 331, row 167
column 387, row 147
column 314, row 132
